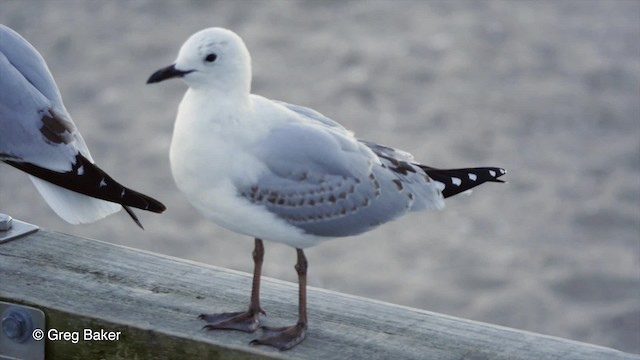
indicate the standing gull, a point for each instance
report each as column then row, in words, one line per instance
column 38, row 137
column 281, row 172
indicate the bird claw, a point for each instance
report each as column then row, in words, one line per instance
column 282, row 338
column 247, row 321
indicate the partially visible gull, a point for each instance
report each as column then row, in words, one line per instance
column 285, row 173
column 38, row 137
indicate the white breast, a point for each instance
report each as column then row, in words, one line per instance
column 208, row 157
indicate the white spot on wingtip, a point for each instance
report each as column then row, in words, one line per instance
column 80, row 170
column 122, row 193
column 440, row 185
column 456, row 181
column 492, row 173
column 473, row 177
column 102, row 183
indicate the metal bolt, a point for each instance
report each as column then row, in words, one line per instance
column 5, row 222
column 17, row 325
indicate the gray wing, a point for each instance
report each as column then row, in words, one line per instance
column 399, row 161
column 322, row 180
column 36, row 127
column 38, row 137
column 315, row 116
column 406, row 174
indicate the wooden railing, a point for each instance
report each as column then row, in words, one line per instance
column 152, row 301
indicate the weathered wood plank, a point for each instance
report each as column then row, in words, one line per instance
column 154, row 300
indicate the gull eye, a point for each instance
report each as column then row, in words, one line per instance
column 211, row 57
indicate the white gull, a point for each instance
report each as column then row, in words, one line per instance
column 285, row 173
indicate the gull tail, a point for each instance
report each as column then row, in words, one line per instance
column 456, row 181
column 76, row 195
column 73, row 207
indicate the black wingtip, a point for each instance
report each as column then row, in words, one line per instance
column 88, row 179
column 141, row 201
column 456, row 181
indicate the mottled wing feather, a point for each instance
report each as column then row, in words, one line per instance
column 321, row 179
column 409, row 176
column 328, row 183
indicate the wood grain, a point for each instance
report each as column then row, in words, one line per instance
column 154, row 300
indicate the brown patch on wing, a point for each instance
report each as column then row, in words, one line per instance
column 56, row 130
column 398, row 184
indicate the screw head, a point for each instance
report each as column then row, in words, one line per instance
column 17, row 325
column 5, row 222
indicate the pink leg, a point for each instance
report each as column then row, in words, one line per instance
column 284, row 338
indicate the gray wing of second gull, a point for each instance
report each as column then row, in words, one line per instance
column 38, row 137
column 36, row 127
column 322, row 180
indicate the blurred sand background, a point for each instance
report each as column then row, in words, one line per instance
column 549, row 90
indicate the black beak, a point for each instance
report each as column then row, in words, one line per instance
column 166, row 73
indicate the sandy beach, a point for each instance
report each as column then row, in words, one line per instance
column 548, row 90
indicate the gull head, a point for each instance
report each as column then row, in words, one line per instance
column 211, row 58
